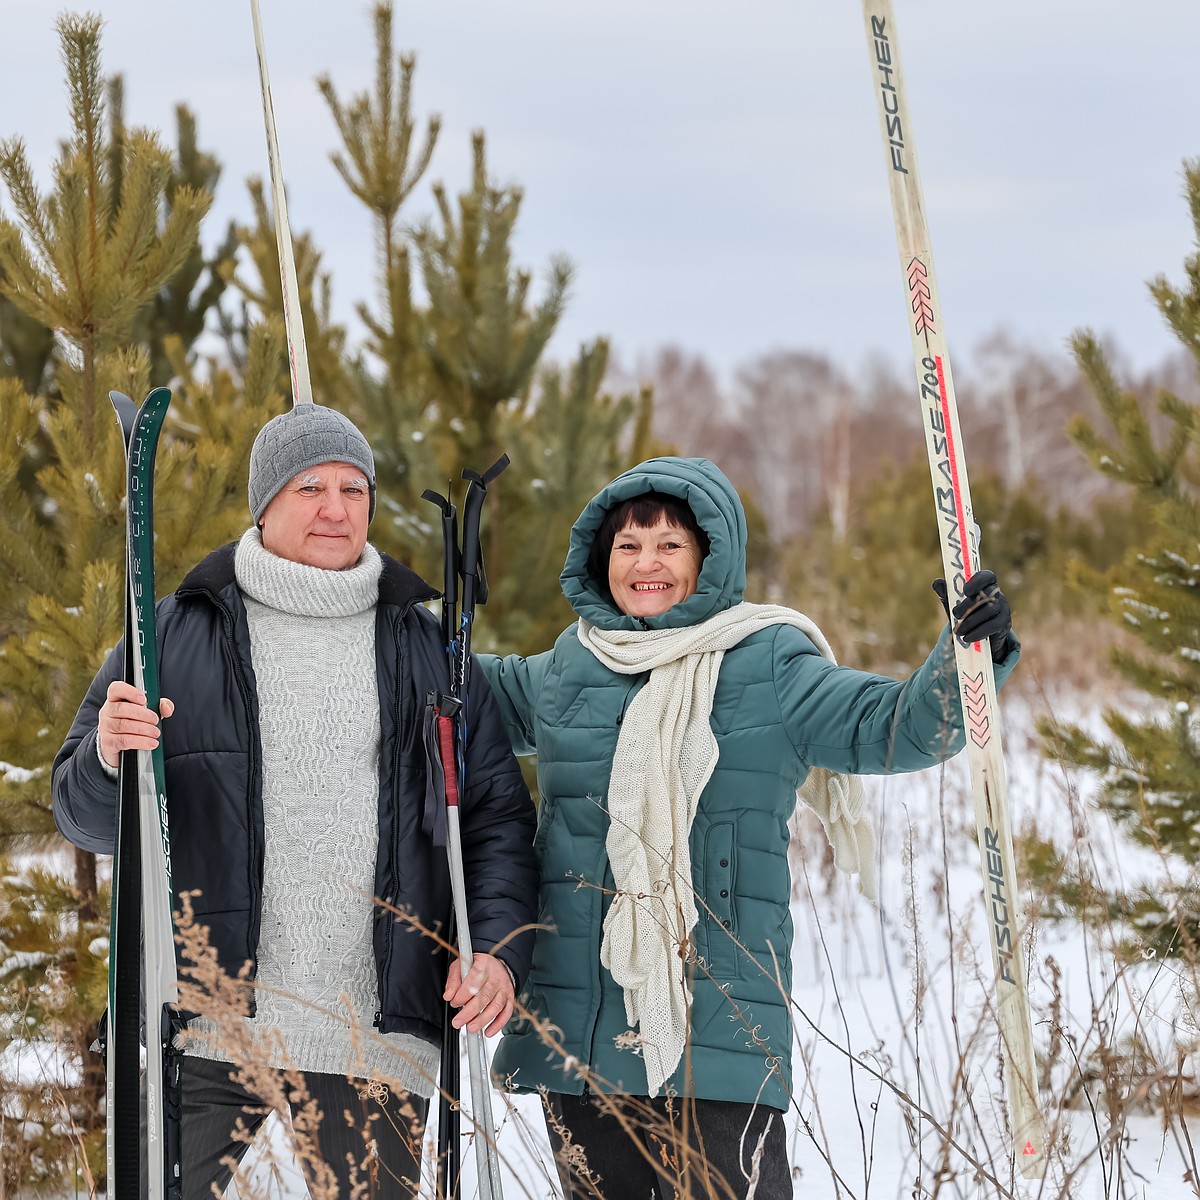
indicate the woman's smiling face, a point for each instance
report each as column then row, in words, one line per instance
column 651, row 569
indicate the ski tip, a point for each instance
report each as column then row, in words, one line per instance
column 126, row 412
column 158, row 397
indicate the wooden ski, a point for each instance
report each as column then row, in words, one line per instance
column 292, row 317
column 957, row 530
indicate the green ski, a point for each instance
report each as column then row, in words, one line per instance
column 142, row 856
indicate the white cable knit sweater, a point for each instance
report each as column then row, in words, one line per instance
column 312, row 638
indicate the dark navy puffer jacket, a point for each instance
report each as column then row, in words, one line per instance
column 214, row 790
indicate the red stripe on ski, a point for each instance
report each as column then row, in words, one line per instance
column 960, row 513
column 952, row 456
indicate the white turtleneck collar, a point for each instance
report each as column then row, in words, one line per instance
column 302, row 590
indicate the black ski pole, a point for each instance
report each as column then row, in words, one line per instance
column 449, row 1162
column 451, row 738
column 474, row 579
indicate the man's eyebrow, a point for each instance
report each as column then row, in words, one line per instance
column 313, row 477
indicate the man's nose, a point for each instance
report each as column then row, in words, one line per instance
column 334, row 506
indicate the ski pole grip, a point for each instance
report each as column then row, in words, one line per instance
column 450, row 562
column 446, row 743
column 472, row 506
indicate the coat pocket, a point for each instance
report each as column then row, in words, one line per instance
column 547, row 809
column 720, row 877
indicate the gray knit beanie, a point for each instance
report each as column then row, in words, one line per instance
column 302, row 437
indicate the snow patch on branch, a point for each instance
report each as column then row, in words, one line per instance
column 23, row 960
column 14, row 774
column 1147, row 610
column 1192, row 568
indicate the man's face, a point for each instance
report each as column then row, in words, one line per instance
column 320, row 517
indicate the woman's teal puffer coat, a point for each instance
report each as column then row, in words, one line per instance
column 779, row 709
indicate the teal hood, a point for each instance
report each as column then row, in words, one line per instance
column 712, row 498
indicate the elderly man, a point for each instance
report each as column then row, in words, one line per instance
column 298, row 659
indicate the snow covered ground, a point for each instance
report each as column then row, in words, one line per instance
column 900, row 991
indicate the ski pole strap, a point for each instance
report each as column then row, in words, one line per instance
column 439, row 778
column 433, row 818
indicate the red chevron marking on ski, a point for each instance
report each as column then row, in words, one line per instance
column 922, row 297
column 979, row 723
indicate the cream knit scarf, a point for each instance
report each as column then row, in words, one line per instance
column 665, row 754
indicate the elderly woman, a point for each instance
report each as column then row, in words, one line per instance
column 674, row 726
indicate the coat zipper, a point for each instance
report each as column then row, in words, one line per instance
column 607, row 886
column 251, row 834
column 382, row 968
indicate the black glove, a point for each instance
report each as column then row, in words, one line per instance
column 983, row 612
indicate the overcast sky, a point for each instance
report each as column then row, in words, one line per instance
column 713, row 169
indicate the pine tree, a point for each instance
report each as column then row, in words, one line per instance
column 181, row 308
column 108, row 289
column 891, row 550
column 462, row 378
column 482, row 337
column 26, row 346
column 325, row 338
column 87, row 260
column 83, row 262
column 1150, row 769
column 566, row 440
column 381, row 164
